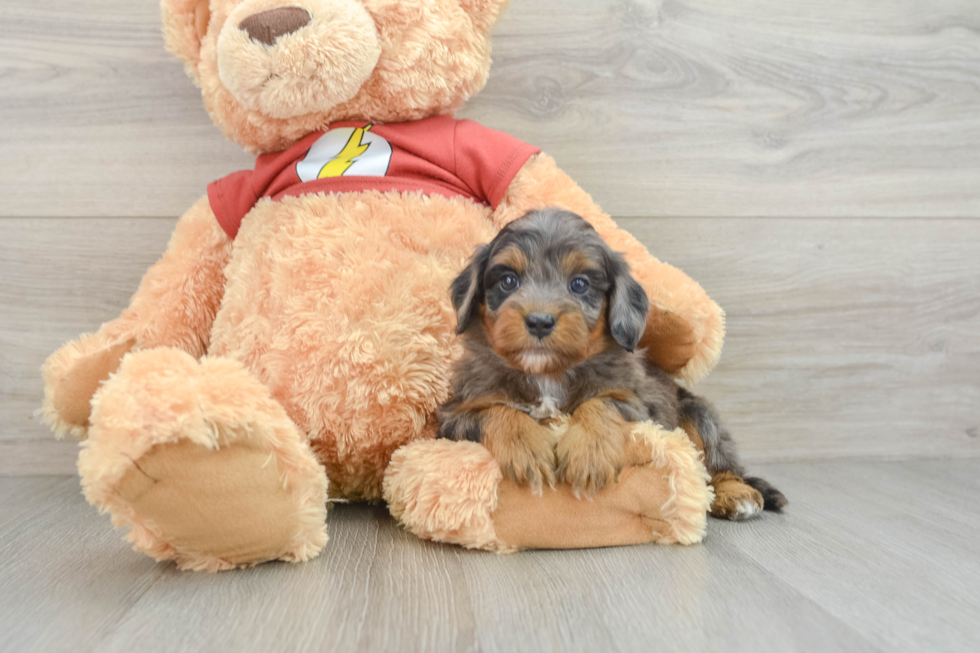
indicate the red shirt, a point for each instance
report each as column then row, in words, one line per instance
column 437, row 156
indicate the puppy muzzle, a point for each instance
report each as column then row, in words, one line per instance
column 540, row 342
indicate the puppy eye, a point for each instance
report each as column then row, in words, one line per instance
column 509, row 282
column 579, row 285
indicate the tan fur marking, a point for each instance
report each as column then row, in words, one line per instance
column 508, row 335
column 731, row 492
column 482, row 403
column 513, row 258
column 693, row 434
column 569, row 341
column 577, row 262
column 617, row 394
column 523, row 448
column 592, row 452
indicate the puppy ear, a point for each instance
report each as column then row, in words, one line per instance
column 467, row 289
column 185, row 22
column 628, row 305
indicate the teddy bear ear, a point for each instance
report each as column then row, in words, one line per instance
column 484, row 13
column 185, row 22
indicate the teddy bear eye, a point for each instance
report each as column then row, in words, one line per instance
column 579, row 285
column 509, row 282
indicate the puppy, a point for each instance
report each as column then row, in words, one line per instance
column 550, row 317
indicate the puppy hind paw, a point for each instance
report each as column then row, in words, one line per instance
column 735, row 500
column 745, row 509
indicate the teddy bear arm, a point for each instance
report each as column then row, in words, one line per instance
column 685, row 327
column 455, row 492
column 174, row 306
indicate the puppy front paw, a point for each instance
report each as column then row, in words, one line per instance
column 590, row 461
column 526, row 455
column 528, row 462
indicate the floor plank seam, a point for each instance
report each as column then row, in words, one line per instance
column 159, row 570
column 776, row 580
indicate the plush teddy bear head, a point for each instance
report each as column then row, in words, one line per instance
column 272, row 71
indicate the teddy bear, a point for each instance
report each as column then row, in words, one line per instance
column 291, row 346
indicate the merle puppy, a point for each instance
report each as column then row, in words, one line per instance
column 550, row 317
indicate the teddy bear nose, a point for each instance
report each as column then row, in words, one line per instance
column 267, row 26
column 540, row 324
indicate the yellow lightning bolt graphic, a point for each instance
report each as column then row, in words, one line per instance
column 354, row 148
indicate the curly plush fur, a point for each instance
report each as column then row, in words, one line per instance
column 335, row 306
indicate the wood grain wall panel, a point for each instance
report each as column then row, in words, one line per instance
column 658, row 107
column 61, row 277
column 846, row 338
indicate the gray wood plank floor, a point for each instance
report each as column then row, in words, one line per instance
column 870, row 556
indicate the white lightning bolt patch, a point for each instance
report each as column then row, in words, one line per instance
column 346, row 152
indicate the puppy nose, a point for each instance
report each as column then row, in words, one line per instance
column 267, row 26
column 540, row 324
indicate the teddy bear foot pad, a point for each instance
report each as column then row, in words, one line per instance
column 202, row 465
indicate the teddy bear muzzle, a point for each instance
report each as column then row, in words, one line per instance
column 291, row 58
column 267, row 26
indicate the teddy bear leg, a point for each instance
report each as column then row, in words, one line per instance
column 202, row 465
column 454, row 492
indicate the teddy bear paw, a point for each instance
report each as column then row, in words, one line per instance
column 202, row 465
